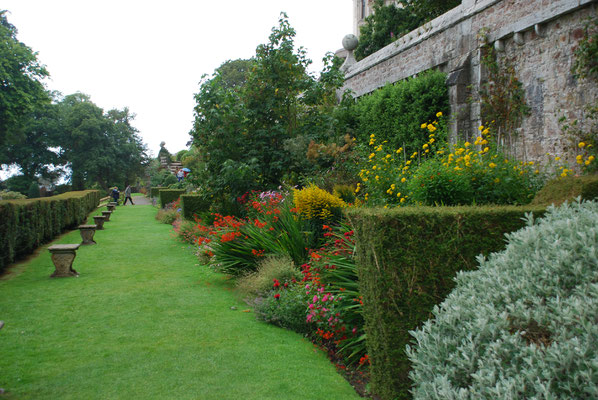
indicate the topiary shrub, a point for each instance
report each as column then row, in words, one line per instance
column 523, row 326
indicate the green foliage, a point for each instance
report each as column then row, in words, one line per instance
column 8, row 195
column 33, row 191
column 395, row 112
column 344, row 192
column 586, row 52
column 195, row 205
column 169, row 195
column 155, row 191
column 559, row 190
column 286, row 311
column 261, row 237
column 407, row 259
column 167, row 215
column 271, row 269
column 524, row 325
column 22, row 91
column 435, row 184
column 390, row 22
column 387, row 24
column 253, row 133
column 26, row 224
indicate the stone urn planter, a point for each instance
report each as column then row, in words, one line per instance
column 106, row 215
column 111, row 206
column 99, row 220
column 62, row 257
column 87, row 232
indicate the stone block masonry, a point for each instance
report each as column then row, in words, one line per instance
column 539, row 37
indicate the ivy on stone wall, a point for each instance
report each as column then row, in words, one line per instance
column 502, row 98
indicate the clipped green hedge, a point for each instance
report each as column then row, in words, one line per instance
column 407, row 259
column 26, row 224
column 170, row 195
column 155, row 191
column 194, row 204
column 559, row 190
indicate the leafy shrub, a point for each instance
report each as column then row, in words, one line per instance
column 270, row 270
column 284, row 308
column 8, row 195
column 524, row 325
column 447, row 174
column 436, row 184
column 344, row 192
column 167, row 215
column 395, row 112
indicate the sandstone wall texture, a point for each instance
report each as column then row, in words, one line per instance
column 539, row 37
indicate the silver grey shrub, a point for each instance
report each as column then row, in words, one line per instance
column 523, row 326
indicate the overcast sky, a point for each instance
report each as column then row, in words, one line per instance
column 150, row 55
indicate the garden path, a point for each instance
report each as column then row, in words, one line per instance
column 144, row 320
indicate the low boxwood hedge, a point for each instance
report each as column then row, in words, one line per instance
column 155, row 191
column 407, row 259
column 26, row 224
column 169, row 195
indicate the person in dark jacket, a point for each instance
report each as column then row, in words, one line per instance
column 115, row 194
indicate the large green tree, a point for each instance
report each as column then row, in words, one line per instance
column 251, row 114
column 21, row 88
column 101, row 149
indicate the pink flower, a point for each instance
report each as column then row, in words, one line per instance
column 354, row 331
column 315, row 299
column 311, row 306
column 325, row 298
column 306, row 287
column 321, row 290
column 309, row 317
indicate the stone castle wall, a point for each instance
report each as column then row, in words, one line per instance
column 539, row 37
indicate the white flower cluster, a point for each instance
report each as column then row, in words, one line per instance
column 523, row 326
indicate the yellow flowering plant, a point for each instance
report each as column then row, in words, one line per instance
column 385, row 171
column 438, row 173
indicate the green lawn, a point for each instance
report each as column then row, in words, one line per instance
column 145, row 321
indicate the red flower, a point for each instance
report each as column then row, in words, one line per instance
column 277, row 296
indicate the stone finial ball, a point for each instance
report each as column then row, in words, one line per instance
column 350, row 42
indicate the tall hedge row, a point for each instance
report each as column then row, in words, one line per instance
column 407, row 260
column 396, row 111
column 169, row 195
column 26, row 224
column 195, row 204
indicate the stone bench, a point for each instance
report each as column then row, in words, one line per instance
column 99, row 220
column 106, row 215
column 62, row 257
column 87, row 232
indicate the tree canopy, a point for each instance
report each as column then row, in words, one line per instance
column 21, row 88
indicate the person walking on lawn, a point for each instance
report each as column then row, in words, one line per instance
column 128, row 196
